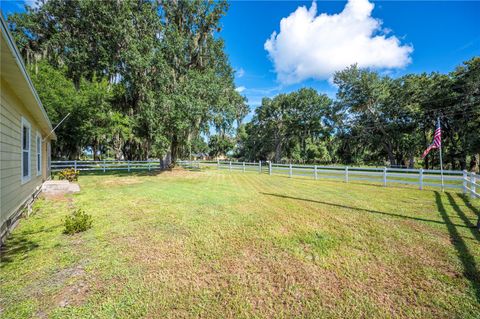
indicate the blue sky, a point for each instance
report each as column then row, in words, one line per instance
column 393, row 37
column 442, row 35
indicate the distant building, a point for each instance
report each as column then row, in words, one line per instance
column 24, row 136
column 201, row 156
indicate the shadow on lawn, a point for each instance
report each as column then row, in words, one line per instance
column 474, row 210
column 122, row 173
column 464, row 254
column 464, row 217
column 363, row 209
column 468, row 261
column 16, row 246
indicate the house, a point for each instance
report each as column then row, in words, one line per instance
column 200, row 156
column 25, row 136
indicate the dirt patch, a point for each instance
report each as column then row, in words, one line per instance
column 68, row 286
column 121, row 181
column 56, row 197
column 180, row 172
column 74, row 294
column 58, row 280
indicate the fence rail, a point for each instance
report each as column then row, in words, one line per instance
column 466, row 181
column 107, row 165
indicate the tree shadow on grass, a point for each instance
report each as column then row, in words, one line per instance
column 16, row 248
column 364, row 210
column 468, row 261
column 472, row 208
column 464, row 254
column 463, row 217
column 121, row 173
column 18, row 245
column 143, row 172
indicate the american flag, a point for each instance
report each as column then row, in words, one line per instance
column 437, row 140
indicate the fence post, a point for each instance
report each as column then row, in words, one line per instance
column 421, row 179
column 384, row 176
column 128, row 166
column 465, row 176
column 473, row 180
column 75, row 164
column 104, row 165
column 346, row 174
column 290, row 171
column 230, row 166
column 269, row 168
column 315, row 175
column 260, row 167
column 218, row 163
column 149, row 165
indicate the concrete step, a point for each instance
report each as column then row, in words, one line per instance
column 60, row 187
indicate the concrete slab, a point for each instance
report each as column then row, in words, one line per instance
column 60, row 187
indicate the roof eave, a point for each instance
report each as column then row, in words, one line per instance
column 13, row 47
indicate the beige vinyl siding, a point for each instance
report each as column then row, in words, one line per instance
column 12, row 192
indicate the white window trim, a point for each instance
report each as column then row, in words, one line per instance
column 49, row 158
column 38, row 151
column 27, row 178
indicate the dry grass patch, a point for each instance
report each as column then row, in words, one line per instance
column 121, row 181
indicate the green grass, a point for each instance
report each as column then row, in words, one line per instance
column 218, row 244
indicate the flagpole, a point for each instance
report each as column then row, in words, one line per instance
column 441, row 162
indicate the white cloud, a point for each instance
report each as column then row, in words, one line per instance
column 315, row 46
column 240, row 73
column 240, row 89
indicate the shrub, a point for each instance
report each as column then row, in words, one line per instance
column 77, row 222
column 70, row 174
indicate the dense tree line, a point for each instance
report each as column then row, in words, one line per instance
column 140, row 78
column 143, row 78
column 374, row 119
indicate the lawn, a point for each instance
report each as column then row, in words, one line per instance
column 215, row 244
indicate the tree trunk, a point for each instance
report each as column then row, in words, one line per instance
column 174, row 148
column 94, row 150
column 278, row 150
column 474, row 163
column 463, row 161
column 117, row 147
column 391, row 156
column 411, row 162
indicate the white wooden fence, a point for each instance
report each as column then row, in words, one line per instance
column 466, row 181
column 107, row 165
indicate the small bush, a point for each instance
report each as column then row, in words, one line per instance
column 70, row 174
column 77, row 222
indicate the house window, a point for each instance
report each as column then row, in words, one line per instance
column 26, row 128
column 39, row 154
